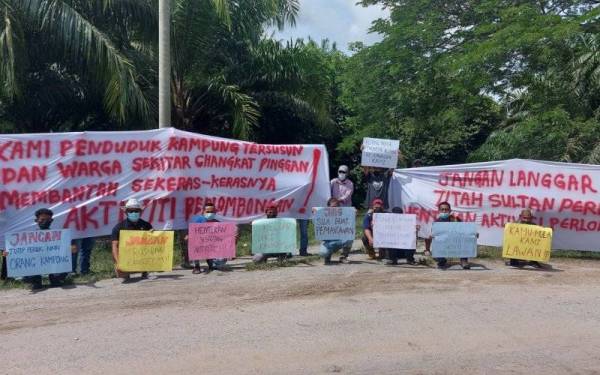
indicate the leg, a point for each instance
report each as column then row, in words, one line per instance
column 464, row 262
column 4, row 271
column 303, row 223
column 34, row 281
column 427, row 246
column 346, row 251
column 259, row 258
column 57, row 279
column 441, row 262
column 410, row 256
column 85, row 254
column 197, row 268
column 74, row 258
column 391, row 256
column 368, row 248
column 211, row 264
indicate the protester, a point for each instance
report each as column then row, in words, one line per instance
column 378, row 182
column 392, row 255
column 444, row 215
column 328, row 247
column 367, row 237
column 270, row 213
column 209, row 212
column 133, row 211
column 342, row 187
column 526, row 217
column 84, row 254
column 43, row 218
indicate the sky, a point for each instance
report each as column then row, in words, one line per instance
column 337, row 20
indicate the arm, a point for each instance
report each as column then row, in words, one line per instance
column 347, row 197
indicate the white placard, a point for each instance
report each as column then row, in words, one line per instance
column 394, row 231
column 380, row 152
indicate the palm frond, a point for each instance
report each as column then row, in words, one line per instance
column 12, row 55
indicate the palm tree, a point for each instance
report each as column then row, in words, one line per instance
column 100, row 42
column 223, row 67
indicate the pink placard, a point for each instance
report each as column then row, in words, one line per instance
column 211, row 240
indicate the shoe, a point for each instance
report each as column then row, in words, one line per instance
column 344, row 260
column 412, row 262
column 465, row 265
column 144, row 275
column 427, row 253
column 442, row 266
column 535, row 264
column 513, row 263
column 197, row 270
column 389, row 262
column 127, row 280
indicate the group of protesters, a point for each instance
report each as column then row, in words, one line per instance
column 342, row 190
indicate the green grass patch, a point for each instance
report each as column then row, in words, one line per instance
column 291, row 262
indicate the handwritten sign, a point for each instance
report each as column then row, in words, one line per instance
column 274, row 236
column 380, row 152
column 211, row 241
column 454, row 240
column 38, row 252
column 527, row 242
column 335, row 223
column 142, row 251
column 395, row 231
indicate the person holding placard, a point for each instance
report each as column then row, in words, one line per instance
column 444, row 215
column 342, row 187
column 209, row 212
column 44, row 218
column 525, row 217
column 367, row 238
column 328, row 247
column 392, row 255
column 133, row 211
column 270, row 213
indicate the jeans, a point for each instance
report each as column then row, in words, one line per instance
column 84, row 255
column 303, row 236
column 331, row 246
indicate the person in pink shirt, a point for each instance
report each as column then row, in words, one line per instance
column 342, row 188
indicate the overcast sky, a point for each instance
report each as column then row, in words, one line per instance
column 337, row 20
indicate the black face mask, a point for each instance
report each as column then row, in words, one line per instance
column 44, row 224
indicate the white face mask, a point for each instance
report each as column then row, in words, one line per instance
column 341, row 176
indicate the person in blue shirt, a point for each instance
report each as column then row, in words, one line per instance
column 328, row 247
column 367, row 238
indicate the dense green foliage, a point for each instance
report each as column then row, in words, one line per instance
column 455, row 81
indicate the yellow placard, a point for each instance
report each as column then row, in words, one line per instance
column 527, row 242
column 142, row 251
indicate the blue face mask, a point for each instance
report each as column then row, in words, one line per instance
column 209, row 216
column 444, row 215
column 133, row 216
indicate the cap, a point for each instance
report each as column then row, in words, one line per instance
column 133, row 203
column 343, row 168
column 272, row 205
column 377, row 201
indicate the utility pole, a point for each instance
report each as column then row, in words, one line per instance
column 164, row 63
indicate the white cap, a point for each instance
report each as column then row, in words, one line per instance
column 343, row 168
column 133, row 203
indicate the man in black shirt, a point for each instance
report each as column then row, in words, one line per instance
column 133, row 211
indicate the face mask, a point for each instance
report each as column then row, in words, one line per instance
column 209, row 215
column 133, row 216
column 444, row 215
column 342, row 176
column 44, row 224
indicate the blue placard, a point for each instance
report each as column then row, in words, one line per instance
column 274, row 236
column 38, row 252
column 335, row 223
column 454, row 240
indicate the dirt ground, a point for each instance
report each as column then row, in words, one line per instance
column 361, row 318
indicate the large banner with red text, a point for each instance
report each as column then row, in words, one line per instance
column 85, row 178
column 562, row 196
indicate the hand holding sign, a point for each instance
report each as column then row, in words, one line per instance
column 143, row 251
column 380, row 152
column 527, row 242
column 454, row 240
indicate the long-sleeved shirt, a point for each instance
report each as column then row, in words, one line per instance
column 342, row 191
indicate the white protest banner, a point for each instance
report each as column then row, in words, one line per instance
column 395, row 231
column 38, row 252
column 274, row 236
column 454, row 240
column 563, row 196
column 380, row 152
column 335, row 223
column 86, row 177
